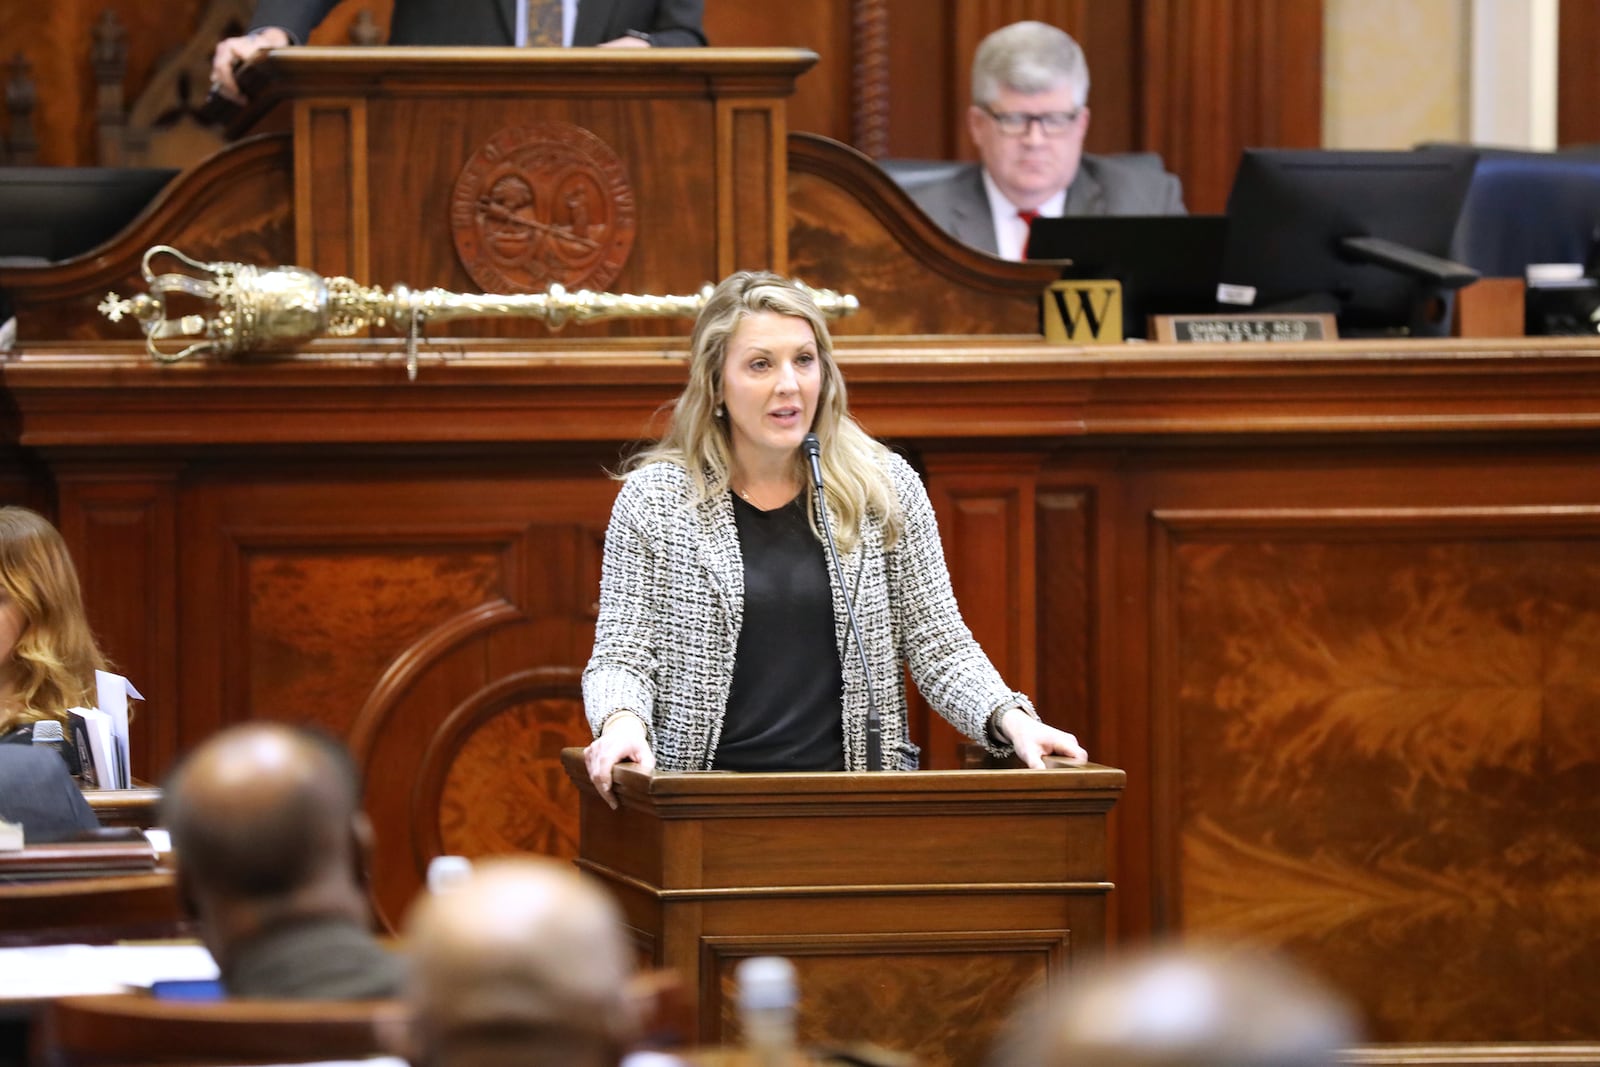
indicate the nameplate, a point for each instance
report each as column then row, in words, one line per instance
column 1235, row 329
column 1083, row 311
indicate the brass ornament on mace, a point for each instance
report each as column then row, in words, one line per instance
column 274, row 309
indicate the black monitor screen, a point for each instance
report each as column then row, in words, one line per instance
column 1167, row 264
column 1291, row 208
column 56, row 213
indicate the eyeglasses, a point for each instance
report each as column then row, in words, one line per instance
column 1017, row 123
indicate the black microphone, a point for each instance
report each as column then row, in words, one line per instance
column 813, row 450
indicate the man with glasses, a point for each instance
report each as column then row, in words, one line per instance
column 1029, row 114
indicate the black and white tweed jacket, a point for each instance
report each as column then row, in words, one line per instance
column 672, row 602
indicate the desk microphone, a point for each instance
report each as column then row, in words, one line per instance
column 47, row 733
column 813, row 450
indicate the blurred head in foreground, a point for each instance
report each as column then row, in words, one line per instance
column 525, row 962
column 1181, row 1008
column 271, row 846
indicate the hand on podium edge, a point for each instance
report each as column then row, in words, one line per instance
column 233, row 52
column 623, row 738
column 1033, row 740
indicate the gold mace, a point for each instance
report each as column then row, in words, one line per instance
column 275, row 309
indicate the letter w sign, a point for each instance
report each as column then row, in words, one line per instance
column 1083, row 311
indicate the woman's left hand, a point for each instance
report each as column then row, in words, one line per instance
column 1034, row 740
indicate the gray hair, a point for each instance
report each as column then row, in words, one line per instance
column 1028, row 57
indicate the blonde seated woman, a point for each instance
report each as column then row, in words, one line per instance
column 723, row 640
column 48, row 657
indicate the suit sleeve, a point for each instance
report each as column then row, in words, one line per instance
column 297, row 17
column 678, row 24
column 1173, row 197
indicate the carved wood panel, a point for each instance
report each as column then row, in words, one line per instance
column 1375, row 735
column 934, row 997
column 437, row 619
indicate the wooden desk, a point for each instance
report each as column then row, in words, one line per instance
column 139, row 807
column 915, row 906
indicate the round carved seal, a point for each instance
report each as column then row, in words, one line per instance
column 543, row 203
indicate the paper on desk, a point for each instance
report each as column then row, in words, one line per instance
column 43, row 971
column 111, row 693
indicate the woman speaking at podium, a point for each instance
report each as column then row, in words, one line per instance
column 725, row 639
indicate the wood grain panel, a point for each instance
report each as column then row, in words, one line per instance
column 1371, row 736
column 929, row 997
column 324, row 616
column 1222, row 75
column 121, row 522
column 1577, row 74
column 750, row 146
column 923, row 90
column 1064, row 585
column 822, row 99
column 986, row 521
column 331, row 233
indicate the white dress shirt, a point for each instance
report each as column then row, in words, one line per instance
column 1010, row 232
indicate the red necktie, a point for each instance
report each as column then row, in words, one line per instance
column 1027, row 216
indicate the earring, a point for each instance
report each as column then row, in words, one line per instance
column 719, row 411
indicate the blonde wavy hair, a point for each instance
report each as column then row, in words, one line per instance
column 698, row 439
column 53, row 663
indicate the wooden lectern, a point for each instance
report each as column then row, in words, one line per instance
column 915, row 906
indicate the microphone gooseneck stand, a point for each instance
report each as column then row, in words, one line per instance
column 813, row 450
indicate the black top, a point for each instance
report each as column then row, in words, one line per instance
column 785, row 708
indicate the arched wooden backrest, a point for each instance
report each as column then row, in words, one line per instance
column 91, row 910
column 140, row 1029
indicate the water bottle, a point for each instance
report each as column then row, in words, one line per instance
column 447, row 872
column 768, row 1002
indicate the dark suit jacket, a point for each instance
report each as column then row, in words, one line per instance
column 312, row 959
column 670, row 23
column 1105, row 185
column 37, row 791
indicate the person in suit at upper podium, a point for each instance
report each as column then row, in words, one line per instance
column 539, row 23
column 724, row 639
column 1028, row 117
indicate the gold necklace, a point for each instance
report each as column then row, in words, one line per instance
column 748, row 499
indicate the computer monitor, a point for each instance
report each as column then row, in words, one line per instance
column 1167, row 264
column 56, row 213
column 1360, row 234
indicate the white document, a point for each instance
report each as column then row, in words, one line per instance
column 36, row 973
column 111, row 693
column 94, row 726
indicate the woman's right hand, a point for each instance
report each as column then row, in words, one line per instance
column 623, row 738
